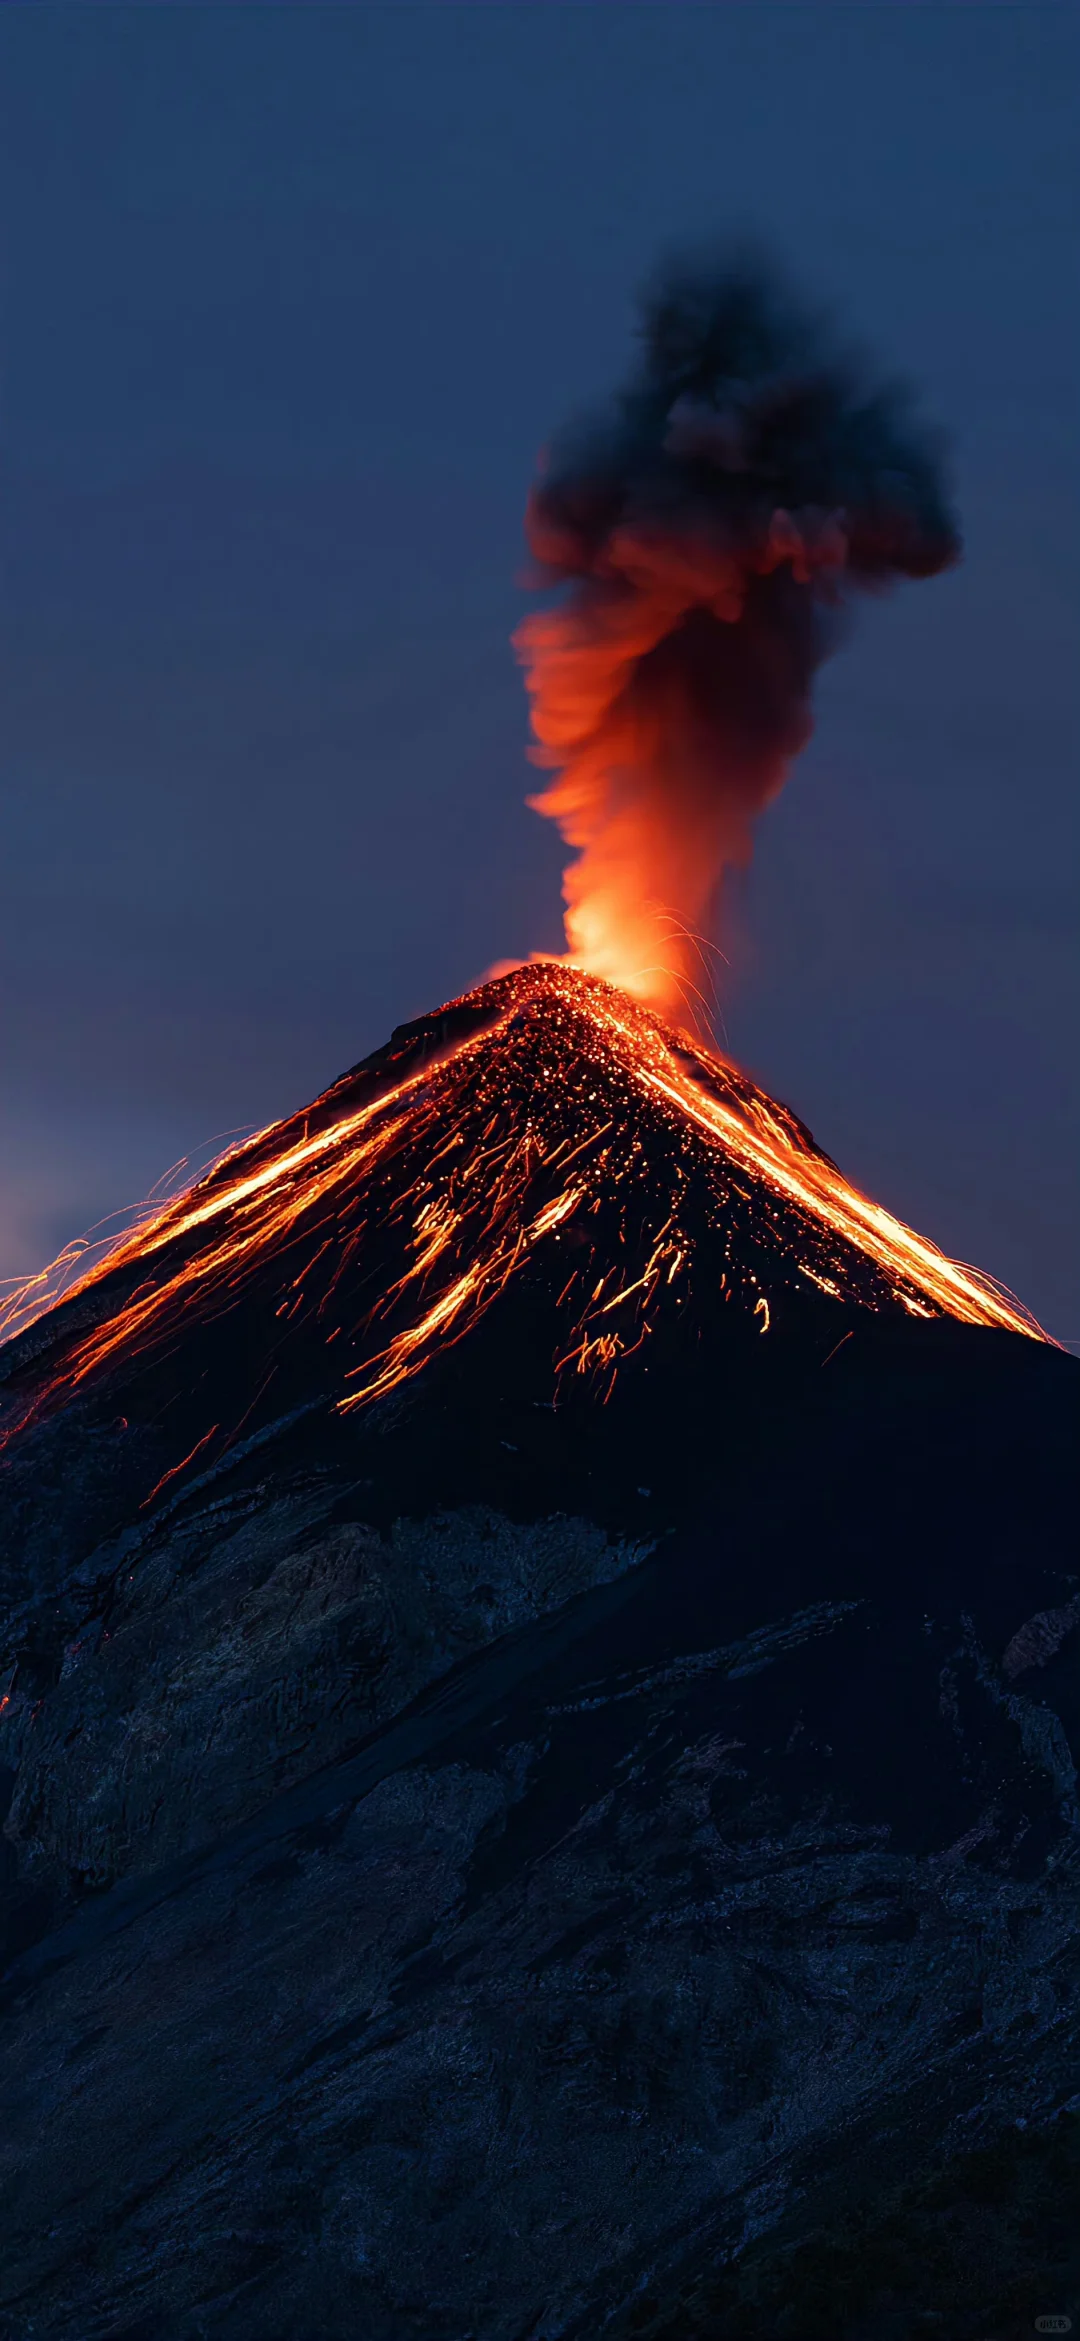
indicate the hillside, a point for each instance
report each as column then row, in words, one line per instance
column 539, row 1732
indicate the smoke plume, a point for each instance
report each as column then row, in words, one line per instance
column 710, row 530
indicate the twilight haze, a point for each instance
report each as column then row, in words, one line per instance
column 291, row 298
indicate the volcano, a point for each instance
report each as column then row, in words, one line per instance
column 537, row 1730
column 545, row 1132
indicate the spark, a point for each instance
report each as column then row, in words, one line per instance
column 177, row 1468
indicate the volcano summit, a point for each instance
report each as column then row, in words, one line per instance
column 538, row 1731
column 544, row 1131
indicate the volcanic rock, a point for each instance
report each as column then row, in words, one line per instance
column 541, row 1790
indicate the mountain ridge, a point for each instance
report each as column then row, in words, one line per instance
column 524, row 1856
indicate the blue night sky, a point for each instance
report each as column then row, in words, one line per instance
column 289, row 300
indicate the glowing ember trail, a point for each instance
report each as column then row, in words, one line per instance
column 545, row 1125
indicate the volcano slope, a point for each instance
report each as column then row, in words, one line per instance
column 538, row 1731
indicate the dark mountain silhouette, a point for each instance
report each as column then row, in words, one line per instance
column 539, row 1728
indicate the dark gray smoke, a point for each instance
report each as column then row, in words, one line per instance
column 711, row 529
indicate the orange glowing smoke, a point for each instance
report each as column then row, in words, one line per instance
column 565, row 1132
column 624, row 685
column 705, row 536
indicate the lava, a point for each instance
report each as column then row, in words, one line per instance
column 561, row 1128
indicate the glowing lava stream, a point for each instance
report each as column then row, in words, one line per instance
column 456, row 1163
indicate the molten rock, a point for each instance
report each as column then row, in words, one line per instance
column 537, row 1728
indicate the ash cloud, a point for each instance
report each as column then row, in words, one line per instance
column 710, row 530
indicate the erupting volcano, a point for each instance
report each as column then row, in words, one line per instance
column 557, row 1134
column 534, row 1697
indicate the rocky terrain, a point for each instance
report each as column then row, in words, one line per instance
column 486, row 1869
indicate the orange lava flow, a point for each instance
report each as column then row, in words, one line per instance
column 562, row 1115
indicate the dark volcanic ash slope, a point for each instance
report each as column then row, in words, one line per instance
column 573, row 1842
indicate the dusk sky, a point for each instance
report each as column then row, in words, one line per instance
column 290, row 299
